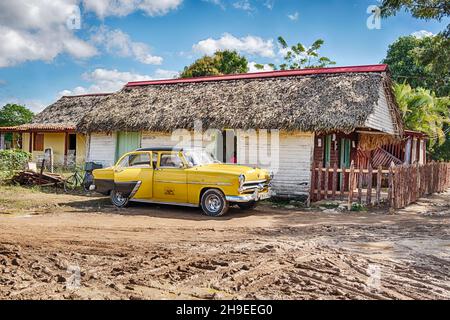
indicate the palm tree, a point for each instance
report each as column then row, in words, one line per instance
column 423, row 111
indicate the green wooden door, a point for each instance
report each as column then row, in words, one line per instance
column 126, row 142
column 344, row 157
column 345, row 153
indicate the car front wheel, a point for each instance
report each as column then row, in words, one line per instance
column 118, row 199
column 213, row 203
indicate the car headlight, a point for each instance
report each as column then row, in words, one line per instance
column 241, row 183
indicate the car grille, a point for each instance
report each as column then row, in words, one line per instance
column 251, row 186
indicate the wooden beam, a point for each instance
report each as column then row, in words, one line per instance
column 66, row 146
column 30, row 141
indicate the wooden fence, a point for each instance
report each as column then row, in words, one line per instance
column 397, row 186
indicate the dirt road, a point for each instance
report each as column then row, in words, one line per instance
column 77, row 247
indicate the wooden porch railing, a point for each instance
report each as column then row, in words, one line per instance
column 397, row 186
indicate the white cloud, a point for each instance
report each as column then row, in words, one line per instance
column 243, row 5
column 106, row 80
column 422, row 34
column 37, row 30
column 119, row 43
column 105, row 8
column 293, row 17
column 252, row 67
column 250, row 44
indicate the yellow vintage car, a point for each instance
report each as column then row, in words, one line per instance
column 181, row 176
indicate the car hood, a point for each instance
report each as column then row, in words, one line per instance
column 251, row 174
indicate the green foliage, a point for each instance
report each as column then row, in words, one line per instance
column 358, row 207
column 222, row 62
column 300, row 57
column 421, row 62
column 14, row 114
column 422, row 9
column 423, row 111
column 11, row 160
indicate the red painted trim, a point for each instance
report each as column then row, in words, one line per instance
column 269, row 74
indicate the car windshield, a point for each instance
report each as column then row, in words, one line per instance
column 199, row 157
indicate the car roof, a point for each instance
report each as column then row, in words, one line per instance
column 166, row 149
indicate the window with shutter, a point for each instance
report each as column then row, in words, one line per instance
column 38, row 144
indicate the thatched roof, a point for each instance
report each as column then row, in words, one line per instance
column 300, row 100
column 64, row 113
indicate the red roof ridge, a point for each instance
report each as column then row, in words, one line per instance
column 266, row 74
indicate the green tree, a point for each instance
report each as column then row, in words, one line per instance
column 422, row 9
column 421, row 62
column 222, row 62
column 14, row 114
column 423, row 111
column 300, row 57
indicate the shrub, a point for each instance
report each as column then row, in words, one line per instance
column 11, row 160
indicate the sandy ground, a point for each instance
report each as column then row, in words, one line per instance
column 77, row 247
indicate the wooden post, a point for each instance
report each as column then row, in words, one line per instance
column 379, row 179
column 313, row 183
column 66, row 147
column 351, row 186
column 327, row 169
column 30, row 142
column 360, row 183
column 391, row 185
column 343, row 184
column 319, row 183
column 369, row 186
column 334, row 182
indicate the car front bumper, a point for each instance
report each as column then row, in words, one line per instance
column 256, row 196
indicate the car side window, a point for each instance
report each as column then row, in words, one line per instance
column 124, row 163
column 137, row 160
column 170, row 160
column 140, row 160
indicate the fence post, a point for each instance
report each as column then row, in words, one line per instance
column 391, row 186
column 319, row 183
column 327, row 168
column 360, row 182
column 379, row 176
column 350, row 186
column 369, row 186
column 313, row 182
column 334, row 182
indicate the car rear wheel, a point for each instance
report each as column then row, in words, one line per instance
column 213, row 203
column 248, row 205
column 118, row 199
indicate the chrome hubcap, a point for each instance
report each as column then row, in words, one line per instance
column 213, row 203
column 119, row 198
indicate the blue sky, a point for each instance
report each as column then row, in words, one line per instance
column 119, row 41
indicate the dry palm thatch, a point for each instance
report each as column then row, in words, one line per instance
column 65, row 113
column 320, row 103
